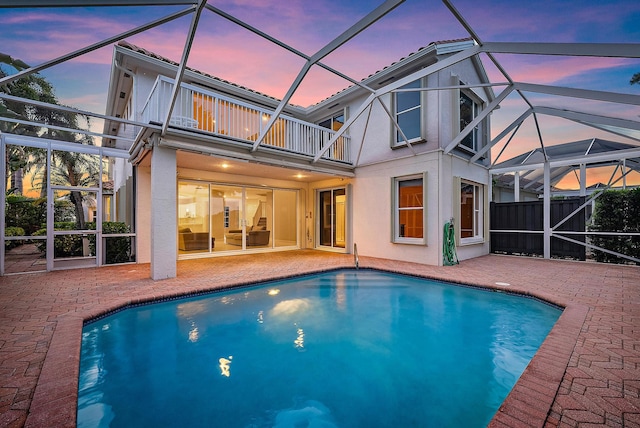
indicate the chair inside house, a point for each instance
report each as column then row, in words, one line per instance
column 190, row 241
column 256, row 235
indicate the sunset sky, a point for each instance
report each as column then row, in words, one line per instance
column 228, row 51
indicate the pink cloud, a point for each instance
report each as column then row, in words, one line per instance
column 551, row 69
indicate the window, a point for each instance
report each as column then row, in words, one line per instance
column 409, row 213
column 469, row 110
column 333, row 123
column 471, row 212
column 408, row 113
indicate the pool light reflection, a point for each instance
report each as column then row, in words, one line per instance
column 225, row 364
column 299, row 342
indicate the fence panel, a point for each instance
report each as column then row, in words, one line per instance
column 528, row 218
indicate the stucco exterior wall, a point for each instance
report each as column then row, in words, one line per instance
column 143, row 214
column 477, row 174
column 373, row 206
column 370, row 207
column 373, row 209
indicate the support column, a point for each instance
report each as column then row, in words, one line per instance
column 516, row 187
column 583, row 179
column 546, row 210
column 163, row 213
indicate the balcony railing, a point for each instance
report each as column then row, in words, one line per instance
column 214, row 114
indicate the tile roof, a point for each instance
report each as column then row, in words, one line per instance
column 138, row 49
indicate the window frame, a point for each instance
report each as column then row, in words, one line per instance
column 331, row 120
column 479, row 217
column 396, row 138
column 476, row 133
column 395, row 208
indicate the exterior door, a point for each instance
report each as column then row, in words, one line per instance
column 331, row 228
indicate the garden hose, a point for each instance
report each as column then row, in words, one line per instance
column 449, row 256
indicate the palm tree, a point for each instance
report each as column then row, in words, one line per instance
column 77, row 170
column 68, row 169
column 33, row 87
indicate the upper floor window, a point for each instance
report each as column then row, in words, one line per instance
column 469, row 110
column 339, row 149
column 334, row 123
column 408, row 112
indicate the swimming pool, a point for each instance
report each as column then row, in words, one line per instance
column 338, row 349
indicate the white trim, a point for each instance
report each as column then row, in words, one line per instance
column 395, row 232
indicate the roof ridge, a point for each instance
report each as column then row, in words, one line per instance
column 128, row 45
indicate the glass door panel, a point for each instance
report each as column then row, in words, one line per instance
column 227, row 231
column 239, row 218
column 259, row 217
column 339, row 209
column 75, row 181
column 73, row 169
column 285, row 218
column 74, row 228
column 332, row 218
column 324, row 216
column 118, row 221
column 193, row 218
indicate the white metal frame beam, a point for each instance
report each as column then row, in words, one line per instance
column 183, row 63
column 89, row 3
column 440, row 65
column 607, row 50
column 283, row 45
column 588, row 117
column 586, row 159
column 98, row 45
column 343, row 38
column 579, row 93
column 479, row 118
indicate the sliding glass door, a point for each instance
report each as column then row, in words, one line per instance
column 217, row 218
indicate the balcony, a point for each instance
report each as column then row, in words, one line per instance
column 210, row 113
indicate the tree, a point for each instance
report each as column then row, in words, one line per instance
column 67, row 168
column 32, row 87
column 77, row 170
column 635, row 79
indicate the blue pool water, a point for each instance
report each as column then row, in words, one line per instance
column 339, row 349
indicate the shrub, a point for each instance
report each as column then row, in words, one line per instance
column 63, row 245
column 13, row 231
column 28, row 213
column 617, row 211
column 118, row 249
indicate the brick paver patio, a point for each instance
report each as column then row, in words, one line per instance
column 587, row 372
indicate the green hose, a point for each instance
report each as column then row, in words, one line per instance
column 449, row 256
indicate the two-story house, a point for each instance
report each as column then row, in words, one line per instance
column 220, row 172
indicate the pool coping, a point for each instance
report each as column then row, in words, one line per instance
column 528, row 404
